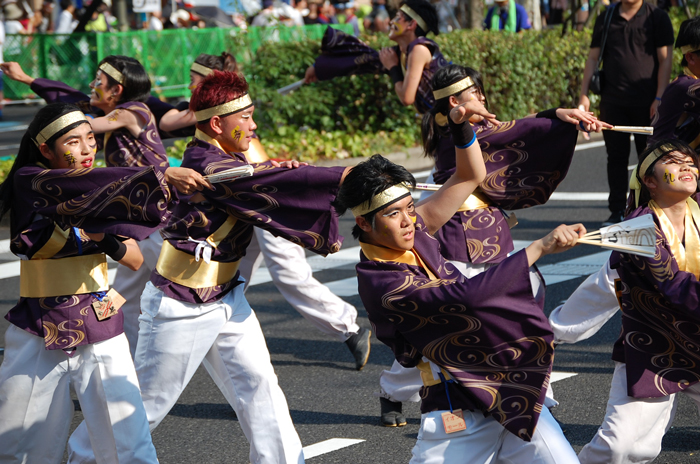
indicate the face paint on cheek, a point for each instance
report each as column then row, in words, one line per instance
column 192, row 87
column 237, row 134
column 70, row 159
column 668, row 177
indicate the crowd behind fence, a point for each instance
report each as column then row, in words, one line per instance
column 166, row 55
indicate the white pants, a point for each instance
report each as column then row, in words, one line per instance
column 130, row 285
column 36, row 408
column 401, row 384
column 485, row 441
column 293, row 277
column 176, row 337
column 591, row 305
column 633, row 427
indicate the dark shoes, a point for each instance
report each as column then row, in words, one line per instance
column 614, row 218
column 359, row 347
column 391, row 413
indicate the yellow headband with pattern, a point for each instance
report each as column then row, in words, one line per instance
column 416, row 17
column 454, row 88
column 635, row 184
column 58, row 125
column 689, row 48
column 112, row 72
column 382, row 199
column 201, row 69
column 233, row 106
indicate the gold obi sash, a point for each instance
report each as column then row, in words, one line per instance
column 40, row 278
column 477, row 200
column 426, row 374
column 183, row 268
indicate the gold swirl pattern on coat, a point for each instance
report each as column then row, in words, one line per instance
column 67, row 301
column 69, row 337
column 50, row 333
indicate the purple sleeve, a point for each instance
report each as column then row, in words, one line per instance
column 55, row 91
column 291, row 203
column 132, row 202
column 345, row 55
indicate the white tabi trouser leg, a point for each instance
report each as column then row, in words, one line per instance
column 174, row 339
column 401, row 384
column 251, row 262
column 35, row 404
column 130, row 285
column 633, row 427
column 591, row 305
column 109, row 396
column 292, row 276
column 485, row 441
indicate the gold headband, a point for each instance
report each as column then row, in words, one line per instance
column 664, row 149
column 382, row 199
column 112, row 72
column 689, row 48
column 201, row 69
column 416, row 17
column 453, row 89
column 58, row 125
column 227, row 108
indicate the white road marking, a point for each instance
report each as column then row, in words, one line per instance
column 328, row 446
column 557, row 376
column 579, row 196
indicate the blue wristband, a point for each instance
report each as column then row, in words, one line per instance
column 471, row 142
column 657, row 98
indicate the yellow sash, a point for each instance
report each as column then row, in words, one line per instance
column 40, row 278
column 182, row 268
column 475, row 201
column 426, row 374
column 382, row 254
column 688, row 256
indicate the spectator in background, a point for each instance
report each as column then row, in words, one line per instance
column 14, row 15
column 2, row 43
column 326, row 15
column 312, row 17
column 346, row 15
column 637, row 61
column 556, row 11
column 378, row 19
column 507, row 15
column 44, row 21
column 155, row 22
column 66, row 20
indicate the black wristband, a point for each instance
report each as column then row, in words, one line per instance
column 396, row 74
column 462, row 134
column 112, row 247
column 549, row 114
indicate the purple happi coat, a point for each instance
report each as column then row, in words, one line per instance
column 526, row 160
column 488, row 332
column 131, row 202
column 678, row 115
column 660, row 341
column 291, row 203
column 345, row 55
column 56, row 91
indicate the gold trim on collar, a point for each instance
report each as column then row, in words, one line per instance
column 201, row 69
column 416, row 17
column 198, row 134
column 58, row 125
column 453, row 89
column 224, row 109
column 112, row 72
column 378, row 201
column 382, row 254
column 688, row 73
column 689, row 48
column 688, row 256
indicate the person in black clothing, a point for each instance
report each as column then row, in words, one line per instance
column 637, row 59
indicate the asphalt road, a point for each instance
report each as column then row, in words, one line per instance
column 329, row 399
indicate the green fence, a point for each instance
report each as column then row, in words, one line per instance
column 166, row 55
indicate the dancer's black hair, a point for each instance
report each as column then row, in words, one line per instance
column 137, row 85
column 223, row 62
column 689, row 34
column 425, row 10
column 366, row 180
column 29, row 153
column 431, row 131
